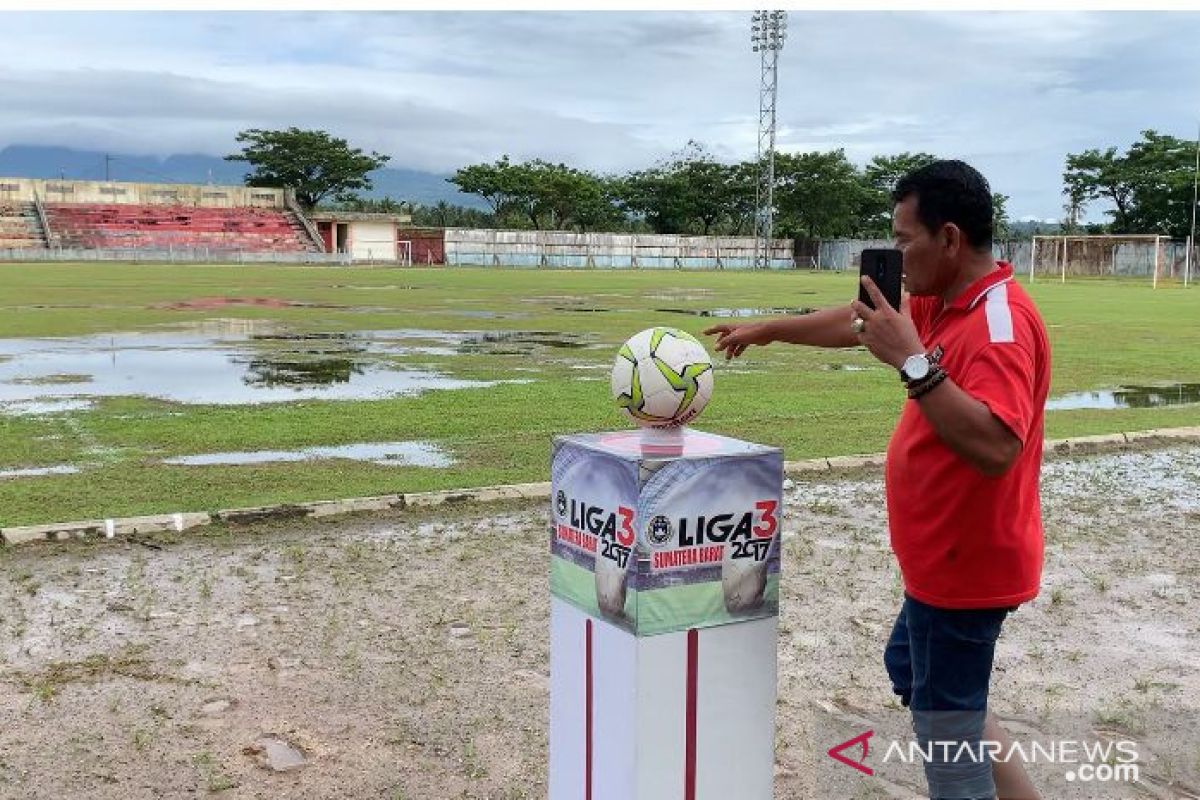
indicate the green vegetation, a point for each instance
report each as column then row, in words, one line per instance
column 1150, row 186
column 1104, row 334
column 314, row 164
column 818, row 195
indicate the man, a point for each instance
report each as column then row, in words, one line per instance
column 963, row 464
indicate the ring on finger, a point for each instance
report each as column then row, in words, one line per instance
column 858, row 325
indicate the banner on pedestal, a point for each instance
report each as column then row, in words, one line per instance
column 666, row 534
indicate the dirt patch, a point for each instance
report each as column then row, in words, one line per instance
column 214, row 303
column 406, row 656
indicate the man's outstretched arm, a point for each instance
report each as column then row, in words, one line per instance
column 828, row 327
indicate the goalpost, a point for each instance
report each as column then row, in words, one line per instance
column 1103, row 255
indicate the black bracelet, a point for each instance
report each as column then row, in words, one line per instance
column 928, row 385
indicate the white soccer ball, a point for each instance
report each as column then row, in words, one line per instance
column 662, row 377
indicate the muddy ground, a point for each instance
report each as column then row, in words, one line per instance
column 406, row 656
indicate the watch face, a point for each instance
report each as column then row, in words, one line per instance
column 916, row 367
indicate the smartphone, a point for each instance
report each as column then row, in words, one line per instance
column 885, row 267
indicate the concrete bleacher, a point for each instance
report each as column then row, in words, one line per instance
column 176, row 227
column 19, row 226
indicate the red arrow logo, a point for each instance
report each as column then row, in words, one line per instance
column 835, row 752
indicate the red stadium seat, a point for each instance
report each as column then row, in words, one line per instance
column 108, row 226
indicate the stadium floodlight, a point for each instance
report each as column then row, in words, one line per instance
column 768, row 32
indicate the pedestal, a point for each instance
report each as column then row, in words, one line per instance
column 665, row 586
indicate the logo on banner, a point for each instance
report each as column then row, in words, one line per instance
column 660, row 532
column 596, row 530
column 704, row 539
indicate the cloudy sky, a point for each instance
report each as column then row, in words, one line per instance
column 1012, row 93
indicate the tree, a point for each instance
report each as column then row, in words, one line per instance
column 743, row 197
column 595, row 202
column 1162, row 170
column 1000, row 223
column 498, row 184
column 1149, row 186
column 384, row 205
column 688, row 192
column 881, row 175
column 562, row 197
column 819, row 194
column 1095, row 174
column 539, row 194
column 447, row 215
column 312, row 163
column 654, row 196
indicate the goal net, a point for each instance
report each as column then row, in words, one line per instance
column 1146, row 257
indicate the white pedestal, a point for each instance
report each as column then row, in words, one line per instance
column 664, row 576
column 679, row 716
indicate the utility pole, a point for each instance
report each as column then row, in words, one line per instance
column 1187, row 261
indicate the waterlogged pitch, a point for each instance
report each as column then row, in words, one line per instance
column 133, row 389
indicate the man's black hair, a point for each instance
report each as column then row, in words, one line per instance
column 951, row 191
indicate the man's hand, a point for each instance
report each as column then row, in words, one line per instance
column 735, row 338
column 889, row 334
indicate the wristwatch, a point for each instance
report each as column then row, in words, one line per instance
column 916, row 368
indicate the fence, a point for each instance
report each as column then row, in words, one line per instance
column 844, row 254
column 200, row 256
column 1120, row 259
column 557, row 249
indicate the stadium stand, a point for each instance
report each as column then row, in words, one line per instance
column 19, row 226
column 163, row 227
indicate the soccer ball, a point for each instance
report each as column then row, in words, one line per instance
column 662, row 378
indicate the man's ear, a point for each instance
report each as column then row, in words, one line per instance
column 952, row 239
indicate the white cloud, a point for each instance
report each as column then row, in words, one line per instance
column 1010, row 92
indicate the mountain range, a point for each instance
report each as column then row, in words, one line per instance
column 31, row 161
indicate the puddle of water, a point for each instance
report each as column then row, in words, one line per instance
column 683, row 295
column 582, row 309
column 369, row 288
column 475, row 314
column 389, row 454
column 30, row 408
column 734, row 312
column 848, row 367
column 1129, row 397
column 555, row 298
column 37, row 472
column 520, row 342
column 233, row 367
column 341, row 337
column 48, row 380
column 320, row 372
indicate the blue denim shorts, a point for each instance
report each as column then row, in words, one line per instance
column 940, row 664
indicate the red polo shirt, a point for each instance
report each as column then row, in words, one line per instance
column 964, row 540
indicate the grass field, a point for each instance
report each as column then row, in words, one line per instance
column 1104, row 335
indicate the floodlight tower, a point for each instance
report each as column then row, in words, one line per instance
column 768, row 30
